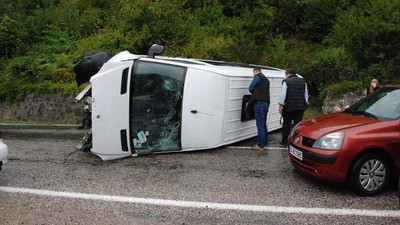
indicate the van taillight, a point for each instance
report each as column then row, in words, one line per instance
column 0, row 134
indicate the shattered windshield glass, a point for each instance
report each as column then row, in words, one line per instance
column 155, row 107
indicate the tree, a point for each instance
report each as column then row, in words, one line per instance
column 318, row 16
column 10, row 36
column 331, row 65
column 369, row 32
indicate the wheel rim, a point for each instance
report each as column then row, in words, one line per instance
column 372, row 175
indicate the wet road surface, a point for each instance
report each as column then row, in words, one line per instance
column 46, row 182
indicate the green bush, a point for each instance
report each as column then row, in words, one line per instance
column 277, row 54
column 338, row 89
column 10, row 36
column 330, row 66
column 392, row 70
column 16, row 91
column 288, row 52
column 327, row 42
column 313, row 111
column 369, row 32
column 317, row 17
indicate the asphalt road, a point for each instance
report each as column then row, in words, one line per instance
column 46, row 182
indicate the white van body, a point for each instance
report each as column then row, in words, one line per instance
column 200, row 105
column 3, row 152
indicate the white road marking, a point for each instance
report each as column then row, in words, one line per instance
column 206, row 205
column 248, row 147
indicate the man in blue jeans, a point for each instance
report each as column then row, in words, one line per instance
column 260, row 100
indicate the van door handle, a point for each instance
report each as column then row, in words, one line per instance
column 195, row 111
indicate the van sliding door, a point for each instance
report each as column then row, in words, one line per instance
column 155, row 107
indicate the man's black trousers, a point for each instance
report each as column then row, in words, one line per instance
column 290, row 119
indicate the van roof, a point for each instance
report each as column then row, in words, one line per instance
column 220, row 67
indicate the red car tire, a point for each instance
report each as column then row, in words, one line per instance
column 370, row 175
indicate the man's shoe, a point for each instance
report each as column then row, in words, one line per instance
column 282, row 143
column 257, row 148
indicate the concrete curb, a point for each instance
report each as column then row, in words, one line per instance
column 38, row 131
column 38, row 126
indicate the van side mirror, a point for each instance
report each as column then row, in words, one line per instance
column 155, row 49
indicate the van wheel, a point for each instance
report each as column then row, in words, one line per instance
column 370, row 175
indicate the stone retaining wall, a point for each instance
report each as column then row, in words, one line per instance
column 332, row 105
column 55, row 108
column 58, row 108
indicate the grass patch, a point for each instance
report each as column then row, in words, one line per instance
column 312, row 111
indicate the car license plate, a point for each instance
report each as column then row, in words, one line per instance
column 296, row 153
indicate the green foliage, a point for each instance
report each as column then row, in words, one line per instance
column 210, row 14
column 277, row 54
column 287, row 16
column 217, row 48
column 369, row 31
column 14, row 91
column 329, row 66
column 107, row 40
column 392, row 70
column 10, row 33
column 80, row 18
column 147, row 22
column 328, row 42
column 318, row 16
column 313, row 111
column 288, row 52
column 257, row 22
column 338, row 89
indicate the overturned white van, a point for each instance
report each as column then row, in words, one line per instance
column 146, row 104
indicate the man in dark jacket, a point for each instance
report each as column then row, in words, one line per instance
column 292, row 103
column 260, row 100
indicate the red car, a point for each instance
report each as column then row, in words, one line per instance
column 360, row 146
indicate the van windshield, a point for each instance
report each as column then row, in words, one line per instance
column 384, row 104
column 155, row 107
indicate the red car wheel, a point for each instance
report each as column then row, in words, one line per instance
column 370, row 175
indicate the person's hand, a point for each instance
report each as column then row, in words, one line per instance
column 247, row 104
column 281, row 110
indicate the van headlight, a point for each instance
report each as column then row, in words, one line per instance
column 332, row 141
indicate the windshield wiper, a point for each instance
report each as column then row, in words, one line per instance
column 364, row 113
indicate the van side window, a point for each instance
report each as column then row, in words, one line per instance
column 246, row 114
